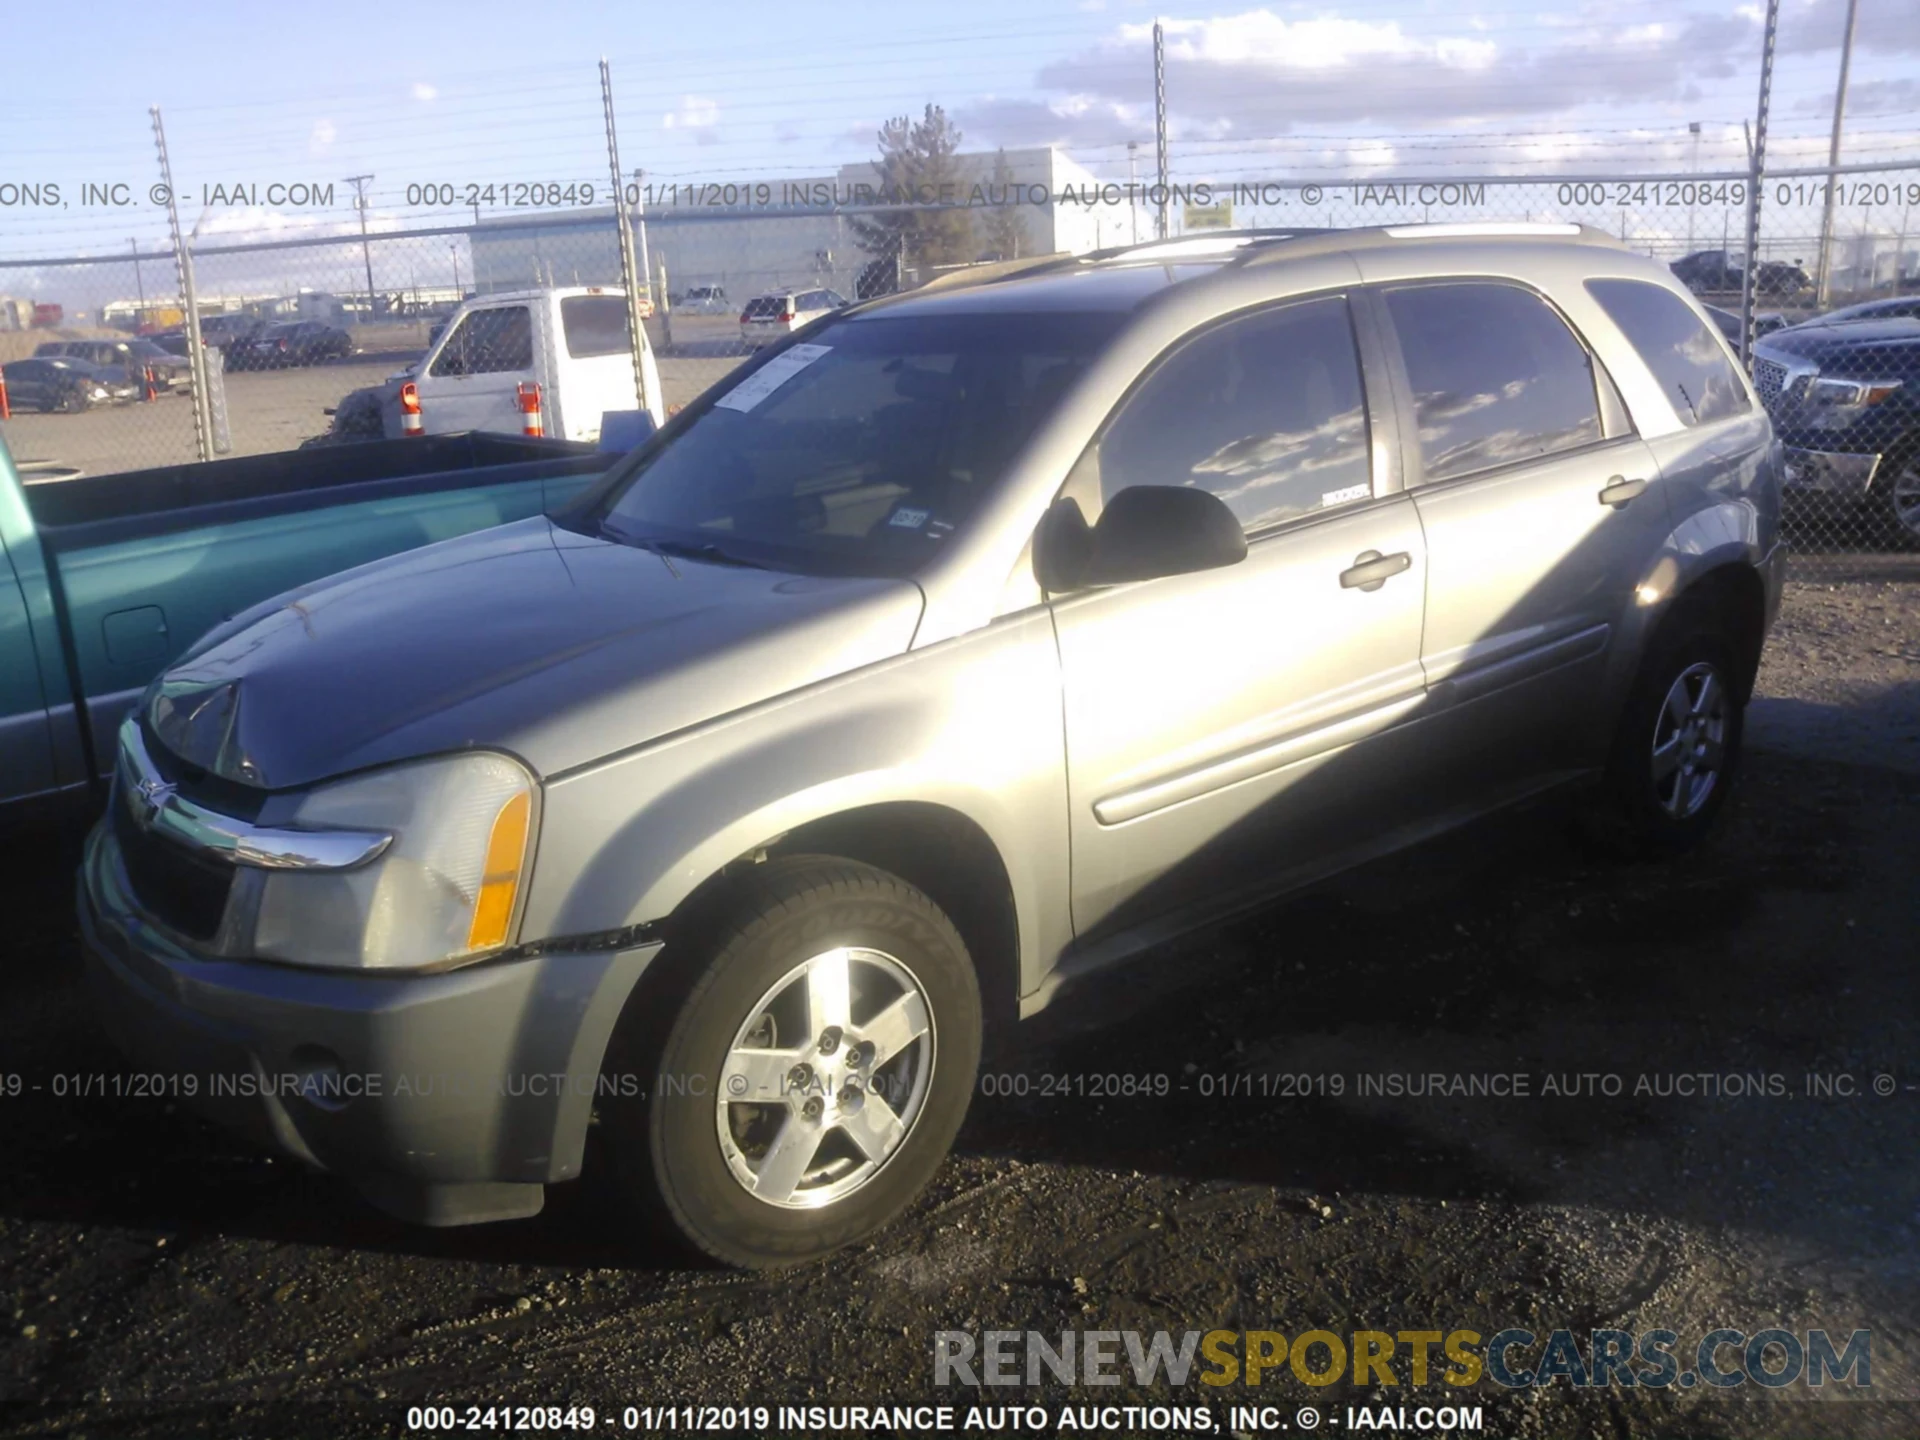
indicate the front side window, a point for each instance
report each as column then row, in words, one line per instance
column 1267, row 412
column 1497, row 377
column 488, row 342
column 1693, row 367
column 861, row 453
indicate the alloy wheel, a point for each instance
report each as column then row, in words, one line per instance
column 1690, row 741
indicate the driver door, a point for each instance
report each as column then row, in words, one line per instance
column 1228, row 726
column 473, row 381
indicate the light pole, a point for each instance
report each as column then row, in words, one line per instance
column 1133, row 186
column 453, row 249
column 359, row 183
column 1693, row 211
column 640, row 214
column 140, row 285
column 1824, row 284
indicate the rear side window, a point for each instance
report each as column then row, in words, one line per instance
column 1265, row 412
column 1497, row 377
column 765, row 307
column 1692, row 366
column 595, row 325
column 487, row 342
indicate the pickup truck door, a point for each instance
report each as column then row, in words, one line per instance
column 473, row 380
column 26, row 743
column 1229, row 727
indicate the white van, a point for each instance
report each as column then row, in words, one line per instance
column 572, row 339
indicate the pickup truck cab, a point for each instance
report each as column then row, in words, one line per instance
column 964, row 644
column 105, row 580
column 572, row 340
column 1845, row 398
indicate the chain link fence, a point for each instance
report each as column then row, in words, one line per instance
column 314, row 337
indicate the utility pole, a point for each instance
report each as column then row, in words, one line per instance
column 1160, row 121
column 640, row 216
column 139, row 281
column 1693, row 210
column 359, row 183
column 453, row 249
column 1825, row 281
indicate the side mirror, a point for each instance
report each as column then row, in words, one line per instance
column 1145, row 532
column 624, row 430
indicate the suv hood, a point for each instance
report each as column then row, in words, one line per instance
column 1894, row 341
column 558, row 647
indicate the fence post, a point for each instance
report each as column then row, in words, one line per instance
column 1160, row 124
column 1756, row 163
column 629, row 271
column 183, row 269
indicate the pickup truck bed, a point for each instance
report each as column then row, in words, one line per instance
column 103, row 581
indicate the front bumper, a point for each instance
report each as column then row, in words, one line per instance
column 1830, row 471
column 447, row 1099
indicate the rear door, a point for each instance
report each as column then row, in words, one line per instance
column 1541, row 510
column 1228, row 727
column 473, row 383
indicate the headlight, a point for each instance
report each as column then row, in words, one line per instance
column 1850, row 392
column 447, row 888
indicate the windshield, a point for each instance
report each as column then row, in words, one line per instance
column 861, row 452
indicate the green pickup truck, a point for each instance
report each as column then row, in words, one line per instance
column 105, row 580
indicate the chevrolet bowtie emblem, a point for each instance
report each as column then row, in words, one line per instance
column 153, row 796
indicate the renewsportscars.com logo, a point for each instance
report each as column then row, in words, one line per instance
column 1516, row 1359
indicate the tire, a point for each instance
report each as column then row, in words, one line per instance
column 1896, row 498
column 1657, row 799
column 794, row 1162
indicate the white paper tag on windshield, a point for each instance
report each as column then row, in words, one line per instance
column 770, row 377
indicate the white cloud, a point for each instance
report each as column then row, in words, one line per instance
column 696, row 112
column 322, row 138
column 423, row 91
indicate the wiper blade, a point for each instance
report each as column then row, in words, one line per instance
column 703, row 550
column 639, row 542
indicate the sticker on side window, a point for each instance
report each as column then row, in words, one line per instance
column 770, row 377
column 1341, row 497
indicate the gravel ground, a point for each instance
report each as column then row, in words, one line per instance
column 162, row 1280
column 272, row 410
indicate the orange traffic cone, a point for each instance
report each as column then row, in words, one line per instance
column 530, row 421
column 151, row 394
column 412, row 423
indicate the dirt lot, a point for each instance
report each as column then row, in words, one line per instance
column 162, row 1280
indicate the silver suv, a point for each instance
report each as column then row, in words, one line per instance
column 965, row 644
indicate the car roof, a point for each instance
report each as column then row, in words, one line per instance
column 1125, row 278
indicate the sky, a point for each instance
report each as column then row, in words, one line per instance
column 491, row 93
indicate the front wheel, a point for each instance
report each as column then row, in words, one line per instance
column 1677, row 751
column 816, row 1072
column 1899, row 497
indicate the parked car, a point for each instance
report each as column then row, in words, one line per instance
column 59, row 382
column 128, row 360
column 774, row 316
column 221, row 331
column 94, row 599
column 704, row 300
column 572, row 341
column 1777, row 277
column 290, row 344
column 1845, row 400
column 985, row 638
column 1710, row 272
column 1765, row 322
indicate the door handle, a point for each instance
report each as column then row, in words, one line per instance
column 1618, row 492
column 1370, row 569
